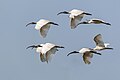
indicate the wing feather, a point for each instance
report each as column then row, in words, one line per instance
column 42, row 58
column 98, row 40
column 44, row 30
column 86, row 57
column 75, row 20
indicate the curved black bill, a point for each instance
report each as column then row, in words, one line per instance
column 30, row 23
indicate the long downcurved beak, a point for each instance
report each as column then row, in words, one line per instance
column 72, row 53
column 64, row 12
column 30, row 23
column 33, row 46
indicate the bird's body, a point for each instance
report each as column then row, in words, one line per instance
column 75, row 16
column 40, row 23
column 100, row 45
column 94, row 21
column 43, row 26
column 47, row 50
column 87, row 53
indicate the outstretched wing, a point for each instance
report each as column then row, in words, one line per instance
column 74, row 20
column 42, row 57
column 50, row 53
column 48, row 49
column 86, row 57
column 44, row 30
column 98, row 40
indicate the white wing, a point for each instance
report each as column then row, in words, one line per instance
column 74, row 20
column 86, row 57
column 50, row 53
column 46, row 47
column 44, row 30
column 98, row 40
column 49, row 49
column 41, row 23
column 42, row 57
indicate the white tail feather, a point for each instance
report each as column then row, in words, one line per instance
column 106, row 44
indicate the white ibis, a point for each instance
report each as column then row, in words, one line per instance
column 43, row 25
column 94, row 21
column 46, row 50
column 100, row 45
column 49, row 49
column 75, row 16
column 87, row 53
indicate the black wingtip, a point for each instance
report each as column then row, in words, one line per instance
column 53, row 23
column 109, row 48
column 62, row 47
column 99, row 53
column 59, row 46
column 87, row 13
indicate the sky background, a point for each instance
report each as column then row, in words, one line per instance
column 19, row 63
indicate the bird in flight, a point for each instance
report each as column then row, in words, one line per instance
column 87, row 53
column 94, row 21
column 43, row 26
column 100, row 45
column 75, row 16
column 46, row 51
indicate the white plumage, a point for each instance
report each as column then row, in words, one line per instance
column 94, row 21
column 75, row 16
column 40, row 23
column 46, row 51
column 87, row 53
column 100, row 45
column 43, row 26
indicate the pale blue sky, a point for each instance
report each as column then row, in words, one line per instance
column 17, row 63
